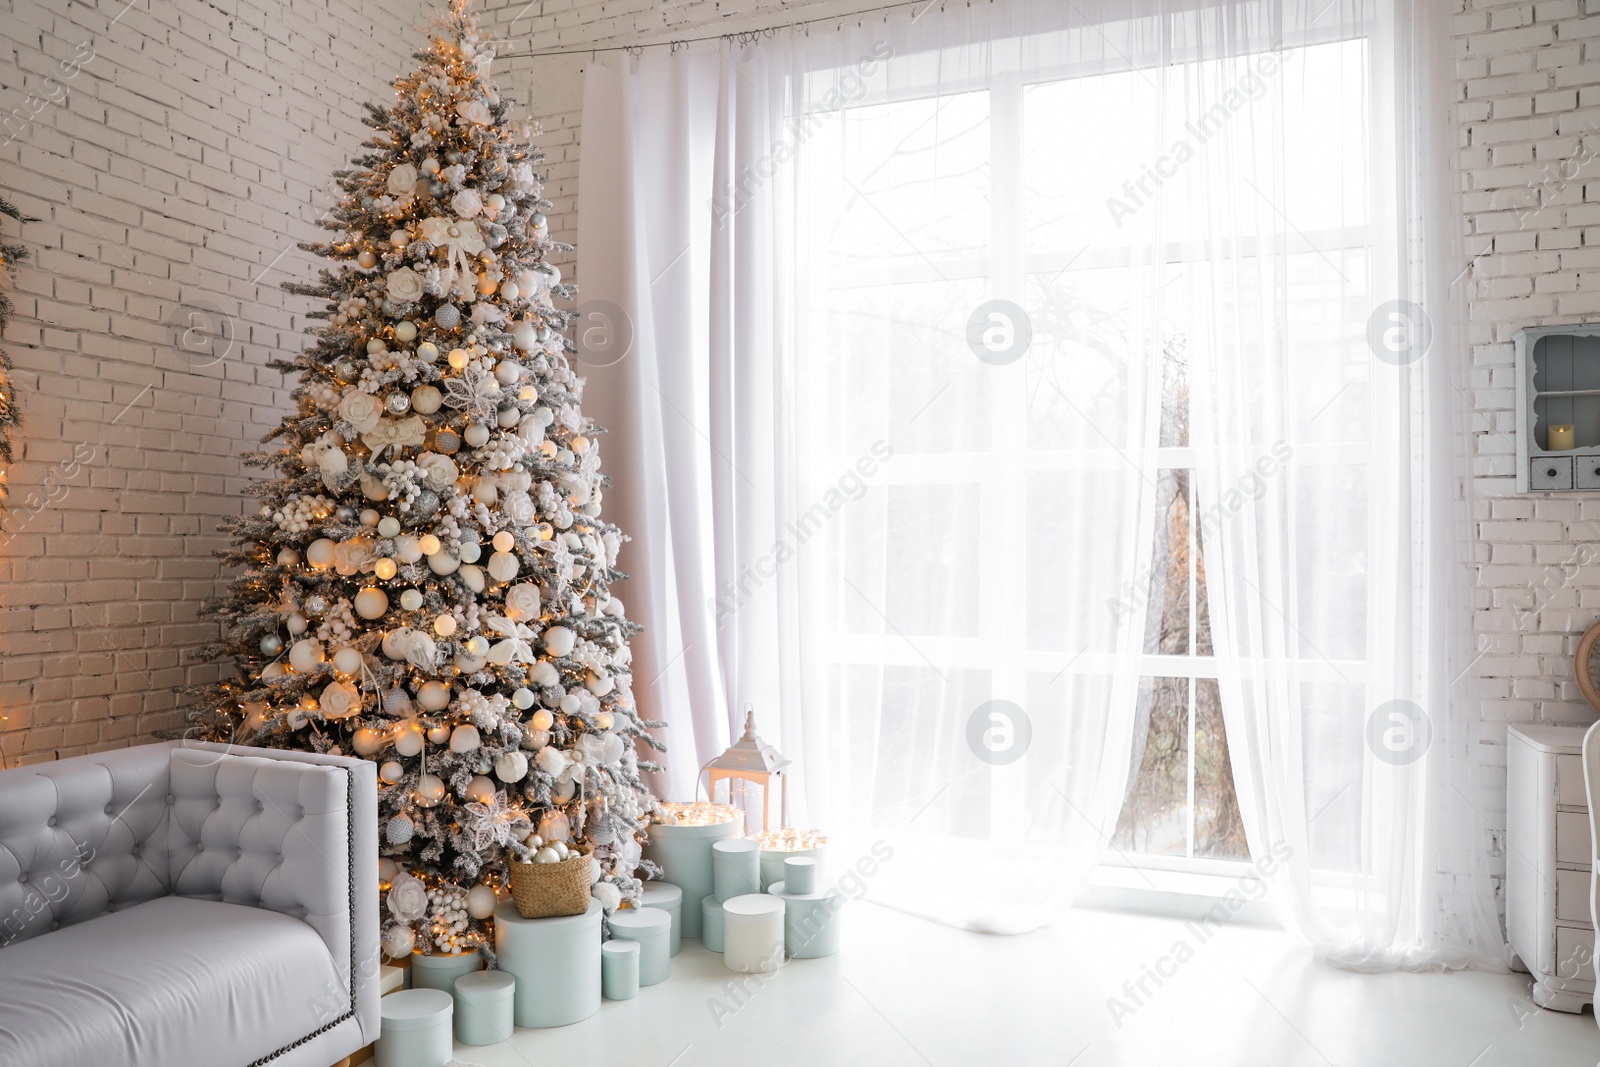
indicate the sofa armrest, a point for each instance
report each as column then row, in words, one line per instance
column 294, row 832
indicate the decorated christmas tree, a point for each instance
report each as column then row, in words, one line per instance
column 427, row 581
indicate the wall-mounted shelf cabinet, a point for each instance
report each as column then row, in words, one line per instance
column 1558, row 385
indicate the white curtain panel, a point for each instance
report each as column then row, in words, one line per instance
column 1327, row 410
column 999, row 405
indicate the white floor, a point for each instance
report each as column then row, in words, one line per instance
column 907, row 992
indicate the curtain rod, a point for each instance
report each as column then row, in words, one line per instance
column 741, row 36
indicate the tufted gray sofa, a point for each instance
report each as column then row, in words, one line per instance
column 188, row 905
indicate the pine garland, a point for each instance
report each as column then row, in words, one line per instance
column 10, row 417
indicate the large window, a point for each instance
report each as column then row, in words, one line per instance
column 1044, row 189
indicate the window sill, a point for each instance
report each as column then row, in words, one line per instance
column 1175, row 894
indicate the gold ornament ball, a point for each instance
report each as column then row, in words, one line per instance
column 434, row 696
column 385, row 568
column 320, row 553
column 367, row 258
column 371, row 603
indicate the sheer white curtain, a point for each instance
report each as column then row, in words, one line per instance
column 670, row 297
column 1326, row 416
column 952, row 332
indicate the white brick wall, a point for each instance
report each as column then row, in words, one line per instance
column 1530, row 113
column 176, row 164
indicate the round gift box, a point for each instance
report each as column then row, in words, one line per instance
column 710, row 910
column 752, row 933
column 556, row 963
column 484, row 1007
column 669, row 898
column 619, row 969
column 684, row 853
column 735, row 869
column 652, row 929
column 772, row 863
column 415, row 1029
column 441, row 970
column 811, row 922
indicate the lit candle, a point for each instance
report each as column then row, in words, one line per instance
column 779, row 845
column 1559, row 438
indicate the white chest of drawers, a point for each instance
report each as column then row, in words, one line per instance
column 1547, row 864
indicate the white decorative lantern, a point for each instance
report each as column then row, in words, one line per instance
column 751, row 759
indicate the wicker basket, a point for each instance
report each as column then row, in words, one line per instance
column 541, row 890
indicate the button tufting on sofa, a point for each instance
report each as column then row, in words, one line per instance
column 160, row 865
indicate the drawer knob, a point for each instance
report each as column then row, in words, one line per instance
column 1550, row 472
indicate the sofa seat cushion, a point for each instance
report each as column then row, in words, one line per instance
column 169, row 982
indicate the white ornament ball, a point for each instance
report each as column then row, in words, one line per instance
column 428, row 352
column 391, row 771
column 305, row 655
column 443, row 563
column 544, row 674
column 388, row 526
column 288, row 557
column 321, row 553
column 409, row 743
column 434, row 696
column 609, row 896
column 387, row 869
column 542, row 720
column 523, row 698
column 406, row 549
column 480, row 789
column 546, row 855
column 273, row 670
column 430, row 790
column 508, row 372
column 481, row 902
column 406, row 330
column 477, row 646
column 399, row 238
column 426, row 399
column 472, row 578
column 347, row 661
column 411, row 599
column 371, row 603
column 476, row 435
column 512, row 767
column 465, row 738
column 399, row 942
column 467, row 663
column 296, row 623
column 438, row 734
column 504, row 541
column 375, row 346
column 558, row 639
column 399, row 830
column 502, row 566
column 367, row 258
column 526, row 335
